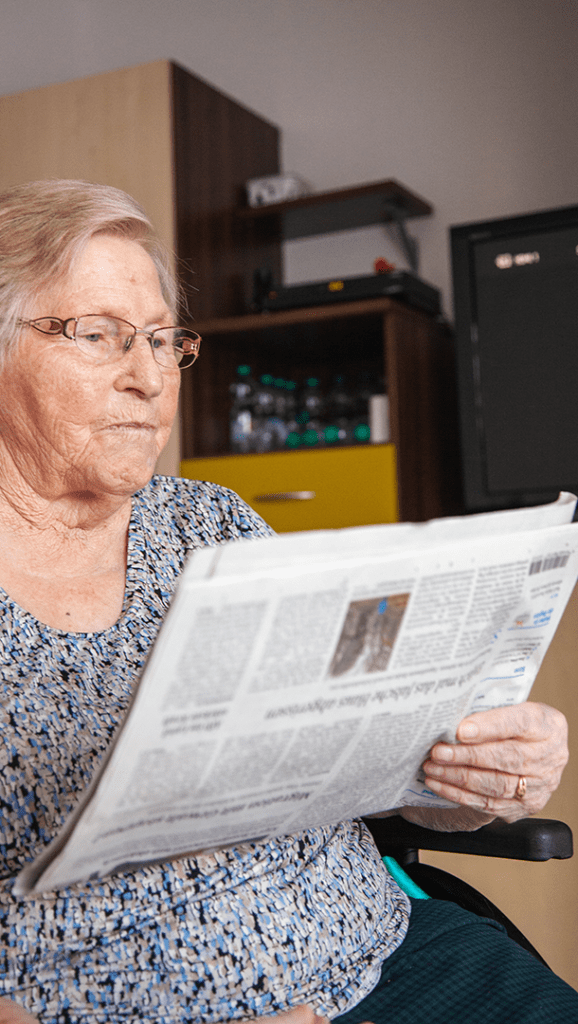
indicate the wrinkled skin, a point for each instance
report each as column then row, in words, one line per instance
column 297, row 1015
column 11, row 1013
column 78, row 438
column 481, row 771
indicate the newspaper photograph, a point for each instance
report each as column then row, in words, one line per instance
column 302, row 679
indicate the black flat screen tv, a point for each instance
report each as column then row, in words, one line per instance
column 515, row 286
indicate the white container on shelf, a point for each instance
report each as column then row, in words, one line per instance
column 379, row 432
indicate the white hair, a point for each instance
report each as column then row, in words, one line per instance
column 45, row 227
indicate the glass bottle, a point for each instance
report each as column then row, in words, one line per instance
column 241, row 418
column 293, row 427
column 313, row 406
column 360, row 419
column 338, row 428
column 264, row 408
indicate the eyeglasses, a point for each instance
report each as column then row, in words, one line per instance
column 107, row 338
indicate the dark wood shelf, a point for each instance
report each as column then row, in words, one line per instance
column 379, row 337
column 292, row 317
column 340, row 210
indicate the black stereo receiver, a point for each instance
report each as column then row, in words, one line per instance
column 397, row 284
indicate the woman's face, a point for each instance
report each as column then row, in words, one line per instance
column 69, row 424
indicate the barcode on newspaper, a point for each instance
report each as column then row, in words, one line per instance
column 555, row 561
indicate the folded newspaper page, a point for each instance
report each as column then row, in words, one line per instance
column 302, row 679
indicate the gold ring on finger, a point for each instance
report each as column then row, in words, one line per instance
column 521, row 788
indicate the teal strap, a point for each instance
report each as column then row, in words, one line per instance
column 405, row 883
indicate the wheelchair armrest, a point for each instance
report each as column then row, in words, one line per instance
column 528, row 839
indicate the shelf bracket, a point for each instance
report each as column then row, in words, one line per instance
column 409, row 244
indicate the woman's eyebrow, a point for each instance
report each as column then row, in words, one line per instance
column 163, row 319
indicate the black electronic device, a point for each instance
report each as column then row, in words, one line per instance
column 397, row 284
column 516, row 323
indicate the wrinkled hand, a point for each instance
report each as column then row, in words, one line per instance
column 297, row 1015
column 11, row 1013
column 482, row 770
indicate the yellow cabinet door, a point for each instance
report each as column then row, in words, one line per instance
column 309, row 490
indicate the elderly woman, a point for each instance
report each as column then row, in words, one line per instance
column 92, row 545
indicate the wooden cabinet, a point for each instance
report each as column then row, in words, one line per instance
column 382, row 337
column 414, row 478
column 310, row 490
column 182, row 148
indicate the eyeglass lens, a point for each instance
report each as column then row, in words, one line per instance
column 105, row 337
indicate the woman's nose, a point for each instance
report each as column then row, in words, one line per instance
column 140, row 363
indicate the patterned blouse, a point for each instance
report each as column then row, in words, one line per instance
column 246, row 931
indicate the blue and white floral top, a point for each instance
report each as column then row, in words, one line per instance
column 247, row 931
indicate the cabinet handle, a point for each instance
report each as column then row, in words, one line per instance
column 286, row 496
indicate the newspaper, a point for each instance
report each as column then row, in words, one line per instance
column 301, row 679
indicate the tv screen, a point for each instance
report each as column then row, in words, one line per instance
column 516, row 324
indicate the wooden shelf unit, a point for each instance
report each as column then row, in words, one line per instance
column 185, row 150
column 182, row 148
column 381, row 337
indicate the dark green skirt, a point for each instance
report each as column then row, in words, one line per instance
column 453, row 966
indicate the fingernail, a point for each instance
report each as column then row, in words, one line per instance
column 468, row 730
column 443, row 753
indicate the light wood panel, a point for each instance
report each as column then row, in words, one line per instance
column 542, row 899
column 113, row 129
column 179, row 146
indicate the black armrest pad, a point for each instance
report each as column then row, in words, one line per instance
column 528, row 839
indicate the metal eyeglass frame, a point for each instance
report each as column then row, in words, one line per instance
column 62, row 326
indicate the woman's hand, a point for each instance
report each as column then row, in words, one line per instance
column 11, row 1013
column 494, row 749
column 297, row 1015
